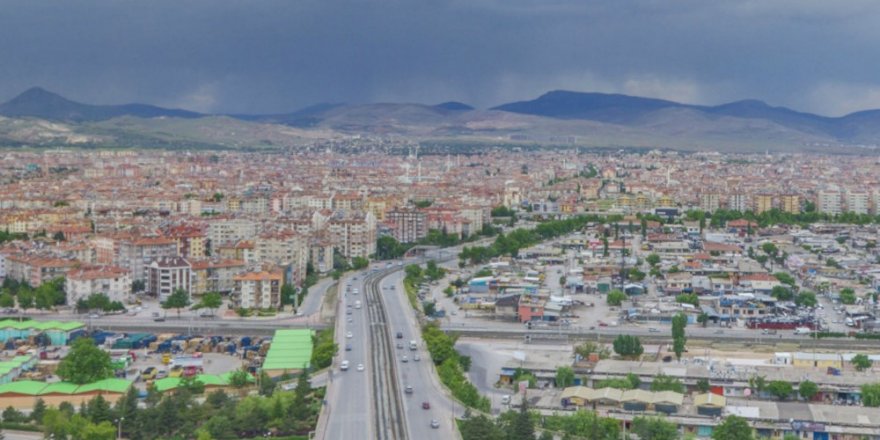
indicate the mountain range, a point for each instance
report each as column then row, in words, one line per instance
column 39, row 117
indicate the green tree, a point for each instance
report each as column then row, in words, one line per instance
column 99, row 410
column 733, row 428
column 628, row 346
column 267, row 385
column 679, row 322
column 239, row 379
column 703, row 319
column 663, row 382
column 523, row 426
column 770, row 249
column 654, row 428
column 780, row 388
column 589, row 347
column 870, row 395
column 480, row 428
column 85, row 363
column 688, row 298
column 358, row 263
column 847, row 296
column 806, row 299
column 785, row 278
column 26, row 299
column 861, row 362
column 653, row 259
column 615, row 297
column 7, row 300
column 703, row 385
column 757, row 383
column 211, row 301
column 177, row 300
column 781, row 293
column 288, row 295
column 808, row 389
column 38, row 411
column 564, row 377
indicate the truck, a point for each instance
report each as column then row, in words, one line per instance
column 802, row 331
column 413, row 345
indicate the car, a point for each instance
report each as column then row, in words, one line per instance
column 360, row 367
column 159, row 319
column 399, row 335
column 149, row 373
column 435, row 424
column 343, row 365
column 161, row 374
column 719, row 332
column 348, row 312
column 349, row 335
column 653, row 330
column 177, row 371
column 400, row 345
column 404, row 359
column 426, row 405
column 347, row 347
column 408, row 389
column 416, row 357
column 602, row 324
column 94, row 316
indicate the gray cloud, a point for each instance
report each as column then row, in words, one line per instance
column 279, row 55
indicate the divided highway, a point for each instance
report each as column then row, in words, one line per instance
column 388, row 412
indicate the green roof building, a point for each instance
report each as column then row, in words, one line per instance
column 291, row 351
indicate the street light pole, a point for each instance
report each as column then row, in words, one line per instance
column 119, row 427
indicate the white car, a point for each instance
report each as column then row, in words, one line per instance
column 343, row 366
column 349, row 335
column 360, row 367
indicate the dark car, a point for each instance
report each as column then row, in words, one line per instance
column 347, row 347
column 399, row 335
column 426, row 405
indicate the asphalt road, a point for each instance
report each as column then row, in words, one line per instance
column 349, row 400
column 420, row 375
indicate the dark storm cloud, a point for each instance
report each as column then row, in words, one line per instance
column 269, row 56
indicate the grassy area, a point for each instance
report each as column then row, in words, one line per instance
column 411, row 287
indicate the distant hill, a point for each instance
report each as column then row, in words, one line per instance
column 40, row 103
column 593, row 106
column 637, row 111
column 454, row 106
column 41, row 118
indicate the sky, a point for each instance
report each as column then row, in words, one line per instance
column 268, row 56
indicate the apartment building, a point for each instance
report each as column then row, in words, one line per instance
column 36, row 269
column 857, row 202
column 115, row 282
column 167, row 274
column 284, row 249
column 191, row 241
column 353, row 234
column 215, row 275
column 738, row 202
column 408, row 225
column 790, row 203
column 137, row 254
column 229, row 231
column 258, row 290
column 709, row 202
column 763, row 203
column 829, row 202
